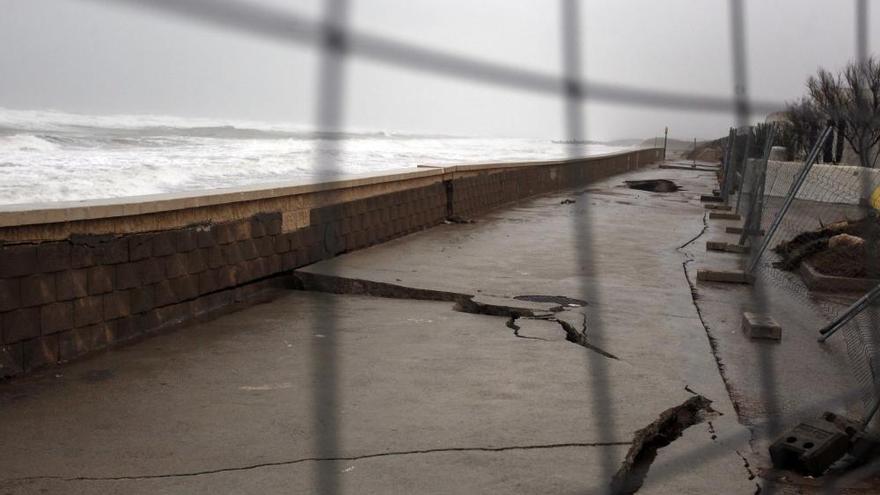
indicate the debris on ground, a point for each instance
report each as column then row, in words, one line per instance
column 838, row 249
column 653, row 185
column 567, row 202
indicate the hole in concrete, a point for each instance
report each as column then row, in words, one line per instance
column 653, row 185
column 808, row 445
column 791, row 439
column 561, row 300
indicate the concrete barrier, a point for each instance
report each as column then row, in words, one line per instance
column 80, row 276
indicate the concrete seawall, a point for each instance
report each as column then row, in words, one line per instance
column 78, row 277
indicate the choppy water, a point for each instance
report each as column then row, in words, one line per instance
column 54, row 156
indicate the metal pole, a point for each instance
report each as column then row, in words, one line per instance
column 665, row 137
column 752, row 225
column 695, row 153
column 728, row 162
column 789, row 199
column 849, row 314
column 745, row 167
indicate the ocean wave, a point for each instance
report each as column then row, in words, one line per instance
column 25, row 142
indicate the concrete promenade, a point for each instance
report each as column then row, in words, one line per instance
column 417, row 366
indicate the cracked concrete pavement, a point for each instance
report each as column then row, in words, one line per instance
column 424, row 398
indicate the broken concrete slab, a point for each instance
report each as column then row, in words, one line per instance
column 761, row 326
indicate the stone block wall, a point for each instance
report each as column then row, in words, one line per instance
column 72, row 287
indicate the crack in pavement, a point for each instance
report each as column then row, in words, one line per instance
column 464, row 303
column 322, row 459
column 668, row 427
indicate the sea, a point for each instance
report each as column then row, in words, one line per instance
column 51, row 156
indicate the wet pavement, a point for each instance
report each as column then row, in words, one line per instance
column 428, row 372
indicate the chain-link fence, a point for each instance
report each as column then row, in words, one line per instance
column 810, row 230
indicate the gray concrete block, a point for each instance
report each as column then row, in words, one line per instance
column 725, row 276
column 761, row 327
column 726, row 247
column 724, row 215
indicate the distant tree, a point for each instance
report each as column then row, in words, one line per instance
column 852, row 98
column 805, row 122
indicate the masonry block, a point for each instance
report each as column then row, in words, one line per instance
column 761, row 327
column 140, row 247
column 53, row 256
column 100, row 279
column 223, row 233
column 117, row 305
column 37, row 289
column 185, row 240
column 186, row 287
column 79, row 341
column 112, row 252
column 726, row 247
column 10, row 294
column 227, row 276
column 39, row 352
column 164, row 293
column 207, row 282
column 809, row 448
column 724, row 215
column 726, row 276
column 282, row 243
column 711, row 198
column 175, row 265
column 56, row 317
column 21, row 324
column 88, row 311
column 81, row 256
column 16, row 261
column 205, row 237
column 163, row 244
column 71, row 284
column 142, row 299
column 248, row 249
column 129, row 275
column 232, row 253
column 265, row 246
column 152, row 270
column 213, row 257
column 195, row 262
column 240, row 230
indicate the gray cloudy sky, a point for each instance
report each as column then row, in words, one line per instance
column 92, row 56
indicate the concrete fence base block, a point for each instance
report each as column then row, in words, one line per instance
column 725, row 276
column 726, row 247
column 711, row 198
column 724, row 215
column 761, row 327
column 739, row 230
column 715, row 207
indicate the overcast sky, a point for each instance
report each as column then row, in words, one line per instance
column 97, row 57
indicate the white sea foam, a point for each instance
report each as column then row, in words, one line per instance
column 53, row 156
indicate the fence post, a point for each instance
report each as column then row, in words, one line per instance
column 752, row 224
column 789, row 199
column 728, row 168
column 849, row 314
